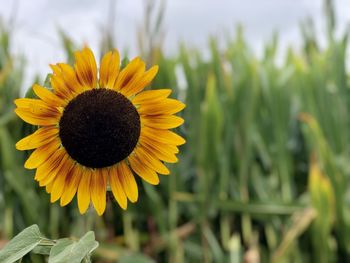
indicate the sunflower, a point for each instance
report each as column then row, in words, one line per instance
column 97, row 128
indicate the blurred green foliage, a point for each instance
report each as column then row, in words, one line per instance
column 263, row 177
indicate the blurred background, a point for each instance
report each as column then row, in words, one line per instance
column 265, row 173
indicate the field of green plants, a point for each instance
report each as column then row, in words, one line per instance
column 264, row 175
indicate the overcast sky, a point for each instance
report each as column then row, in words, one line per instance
column 37, row 21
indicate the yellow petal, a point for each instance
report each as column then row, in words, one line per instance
column 150, row 161
column 109, row 69
column 37, row 107
column 60, row 88
column 165, row 107
column 162, row 121
column 149, row 96
column 159, row 152
column 71, row 185
column 50, row 164
column 57, row 171
column 138, row 84
column 55, row 69
column 159, row 145
column 117, row 188
column 70, row 79
column 98, row 189
column 84, row 192
column 47, row 96
column 104, row 69
column 171, row 148
column 128, row 181
column 132, row 78
column 41, row 154
column 39, row 138
column 86, row 68
column 147, row 174
column 59, row 182
column 163, row 136
column 34, row 119
column 131, row 71
column 48, row 188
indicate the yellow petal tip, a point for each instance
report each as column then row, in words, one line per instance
column 83, row 211
column 29, row 165
column 133, row 200
column 52, row 199
column 100, row 212
column 19, row 146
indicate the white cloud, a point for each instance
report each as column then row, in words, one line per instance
column 191, row 20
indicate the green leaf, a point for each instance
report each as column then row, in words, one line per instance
column 67, row 250
column 135, row 258
column 42, row 250
column 21, row 244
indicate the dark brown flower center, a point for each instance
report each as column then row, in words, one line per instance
column 99, row 128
